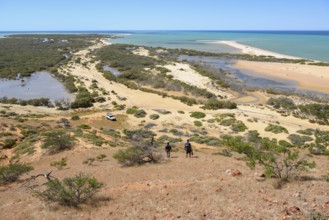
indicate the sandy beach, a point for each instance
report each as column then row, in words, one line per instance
column 255, row 51
column 307, row 76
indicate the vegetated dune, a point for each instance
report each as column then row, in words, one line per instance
column 179, row 187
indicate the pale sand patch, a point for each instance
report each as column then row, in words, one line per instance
column 255, row 51
column 307, row 76
column 183, row 72
column 141, row 51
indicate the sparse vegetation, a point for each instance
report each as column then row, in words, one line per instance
column 57, row 140
column 198, row 123
column 198, row 115
column 214, row 104
column 60, row 164
column 277, row 160
column 11, row 172
column 276, row 129
column 154, row 116
column 71, row 191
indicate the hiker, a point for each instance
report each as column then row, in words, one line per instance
column 168, row 149
column 188, row 149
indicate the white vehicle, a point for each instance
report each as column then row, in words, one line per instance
column 111, row 117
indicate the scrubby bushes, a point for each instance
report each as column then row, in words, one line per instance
column 277, row 160
column 8, row 143
column 198, row 115
column 318, row 113
column 154, row 116
column 11, row 172
column 214, row 104
column 282, row 102
column 198, row 123
column 71, row 191
column 84, row 99
column 60, row 164
column 276, row 129
column 57, row 140
column 299, row 140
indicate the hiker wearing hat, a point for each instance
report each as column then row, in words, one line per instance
column 188, row 149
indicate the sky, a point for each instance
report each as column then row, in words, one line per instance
column 65, row 15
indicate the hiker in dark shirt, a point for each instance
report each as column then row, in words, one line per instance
column 188, row 149
column 168, row 149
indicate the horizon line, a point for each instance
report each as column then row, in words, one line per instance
column 153, row 30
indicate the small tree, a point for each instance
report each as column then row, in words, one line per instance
column 11, row 172
column 71, row 191
column 278, row 160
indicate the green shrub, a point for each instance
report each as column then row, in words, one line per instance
column 181, row 112
column 59, row 164
column 101, row 157
column 277, row 160
column 57, row 140
column 282, row 102
column 11, row 172
column 307, row 131
column 208, row 140
column 299, row 140
column 84, row 126
column 227, row 121
column 71, row 191
column 140, row 113
column 75, row 118
column 139, row 154
column 132, row 110
column 276, row 129
column 154, row 116
column 198, row 115
column 198, row 123
column 9, row 143
column 239, row 126
column 214, row 104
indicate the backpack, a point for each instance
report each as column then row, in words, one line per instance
column 188, row 146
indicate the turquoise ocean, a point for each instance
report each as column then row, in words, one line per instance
column 306, row 44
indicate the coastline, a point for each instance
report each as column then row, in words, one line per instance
column 309, row 77
column 255, row 51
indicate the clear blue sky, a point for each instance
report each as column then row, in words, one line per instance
column 27, row 15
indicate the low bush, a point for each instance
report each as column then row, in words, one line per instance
column 11, row 172
column 277, row 160
column 154, row 116
column 214, row 104
column 299, row 140
column 60, row 164
column 57, row 140
column 138, row 154
column 132, row 110
column 75, row 118
column 84, row 126
column 198, row 115
column 71, row 191
column 198, row 123
column 140, row 113
column 9, row 143
column 239, row 126
column 276, row 129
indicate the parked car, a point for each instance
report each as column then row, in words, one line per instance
column 110, row 116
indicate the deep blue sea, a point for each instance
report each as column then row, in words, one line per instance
column 306, row 44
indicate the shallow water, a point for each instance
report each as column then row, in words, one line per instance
column 39, row 85
column 306, row 44
column 112, row 70
column 249, row 78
